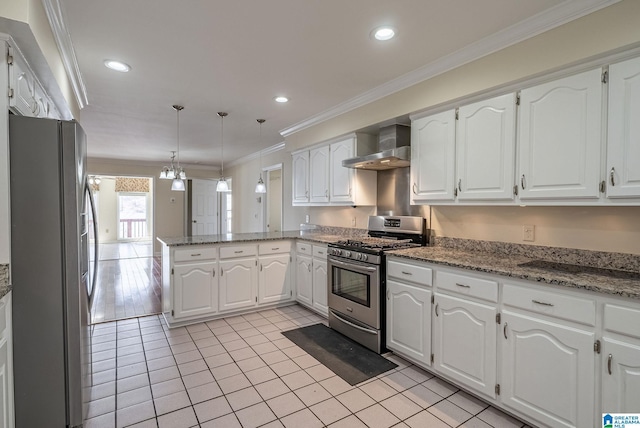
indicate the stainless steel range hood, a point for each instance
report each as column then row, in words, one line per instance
column 394, row 151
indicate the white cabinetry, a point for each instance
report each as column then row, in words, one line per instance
column 319, row 279
column 6, row 364
column 408, row 323
column 304, row 275
column 623, row 141
column 433, row 157
column 195, row 283
column 548, row 359
column 311, row 276
column 319, row 175
column 485, row 149
column 300, row 174
column 464, row 330
column 238, row 277
column 320, row 179
column 349, row 186
column 560, row 138
column 620, row 359
column 27, row 97
column 274, row 281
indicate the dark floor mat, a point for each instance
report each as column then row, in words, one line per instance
column 351, row 361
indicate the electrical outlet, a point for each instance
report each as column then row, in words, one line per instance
column 528, row 232
column 353, row 222
column 306, row 218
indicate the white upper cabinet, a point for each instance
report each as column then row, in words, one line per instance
column 433, row 157
column 485, row 149
column 560, row 138
column 319, row 175
column 300, row 174
column 623, row 142
column 27, row 97
column 347, row 185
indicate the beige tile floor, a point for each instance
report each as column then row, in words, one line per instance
column 241, row 372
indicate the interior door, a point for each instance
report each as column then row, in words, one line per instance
column 204, row 207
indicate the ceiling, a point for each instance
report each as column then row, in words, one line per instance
column 236, row 56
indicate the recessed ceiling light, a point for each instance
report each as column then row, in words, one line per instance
column 117, row 65
column 384, row 33
column 281, row 99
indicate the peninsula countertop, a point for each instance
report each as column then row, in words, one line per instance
column 603, row 279
column 249, row 237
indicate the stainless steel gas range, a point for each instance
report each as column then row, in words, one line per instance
column 357, row 277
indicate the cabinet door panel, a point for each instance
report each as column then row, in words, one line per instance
column 433, row 157
column 5, row 384
column 238, row 282
column 300, row 175
column 465, row 342
column 621, row 387
column 274, row 284
column 320, row 287
column 319, row 175
column 548, row 371
column 195, row 291
column 409, row 320
column 623, row 142
column 304, row 284
column 485, row 149
column 560, row 135
column 341, row 186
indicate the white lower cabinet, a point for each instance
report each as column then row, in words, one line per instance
column 464, row 342
column 274, row 284
column 548, row 370
column 195, row 288
column 238, row 279
column 311, row 277
column 304, row 280
column 409, row 320
column 319, row 279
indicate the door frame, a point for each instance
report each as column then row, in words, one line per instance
column 267, row 170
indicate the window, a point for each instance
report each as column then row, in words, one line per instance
column 132, row 216
column 227, row 212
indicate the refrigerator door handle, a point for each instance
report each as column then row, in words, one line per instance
column 94, row 277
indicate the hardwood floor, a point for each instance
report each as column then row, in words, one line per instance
column 129, row 283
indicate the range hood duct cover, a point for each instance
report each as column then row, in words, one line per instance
column 394, row 151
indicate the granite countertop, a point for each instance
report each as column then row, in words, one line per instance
column 5, row 287
column 601, row 279
column 250, row 237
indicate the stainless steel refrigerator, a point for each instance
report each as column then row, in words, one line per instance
column 52, row 273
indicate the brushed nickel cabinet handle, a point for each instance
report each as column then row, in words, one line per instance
column 407, row 273
column 460, row 184
column 609, row 360
column 326, row 193
column 612, row 177
column 214, row 273
column 260, row 267
column 437, row 310
column 238, row 252
column 309, row 268
column 196, row 255
column 538, row 302
column 388, row 294
column 523, row 182
column 275, row 249
column 504, row 330
column 221, row 272
column 414, row 189
column 463, row 285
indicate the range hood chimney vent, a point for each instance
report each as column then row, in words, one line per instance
column 394, row 150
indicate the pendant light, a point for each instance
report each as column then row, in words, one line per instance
column 222, row 186
column 169, row 172
column 260, row 187
column 179, row 175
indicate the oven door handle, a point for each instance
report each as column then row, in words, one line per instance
column 366, row 330
column 352, row 265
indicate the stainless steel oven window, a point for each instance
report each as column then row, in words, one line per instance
column 351, row 285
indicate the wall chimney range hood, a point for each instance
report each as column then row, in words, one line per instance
column 394, row 151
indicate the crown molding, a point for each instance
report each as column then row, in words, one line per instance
column 544, row 21
column 58, row 26
column 255, row 155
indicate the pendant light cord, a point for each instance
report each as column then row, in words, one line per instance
column 222, row 146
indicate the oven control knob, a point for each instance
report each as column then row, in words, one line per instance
column 339, row 252
column 347, row 253
column 365, row 257
column 359, row 256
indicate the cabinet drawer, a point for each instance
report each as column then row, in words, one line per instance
column 274, row 247
column 320, row 251
column 551, row 303
column 622, row 319
column 304, row 248
column 237, row 251
column 195, row 253
column 468, row 286
column 410, row 272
